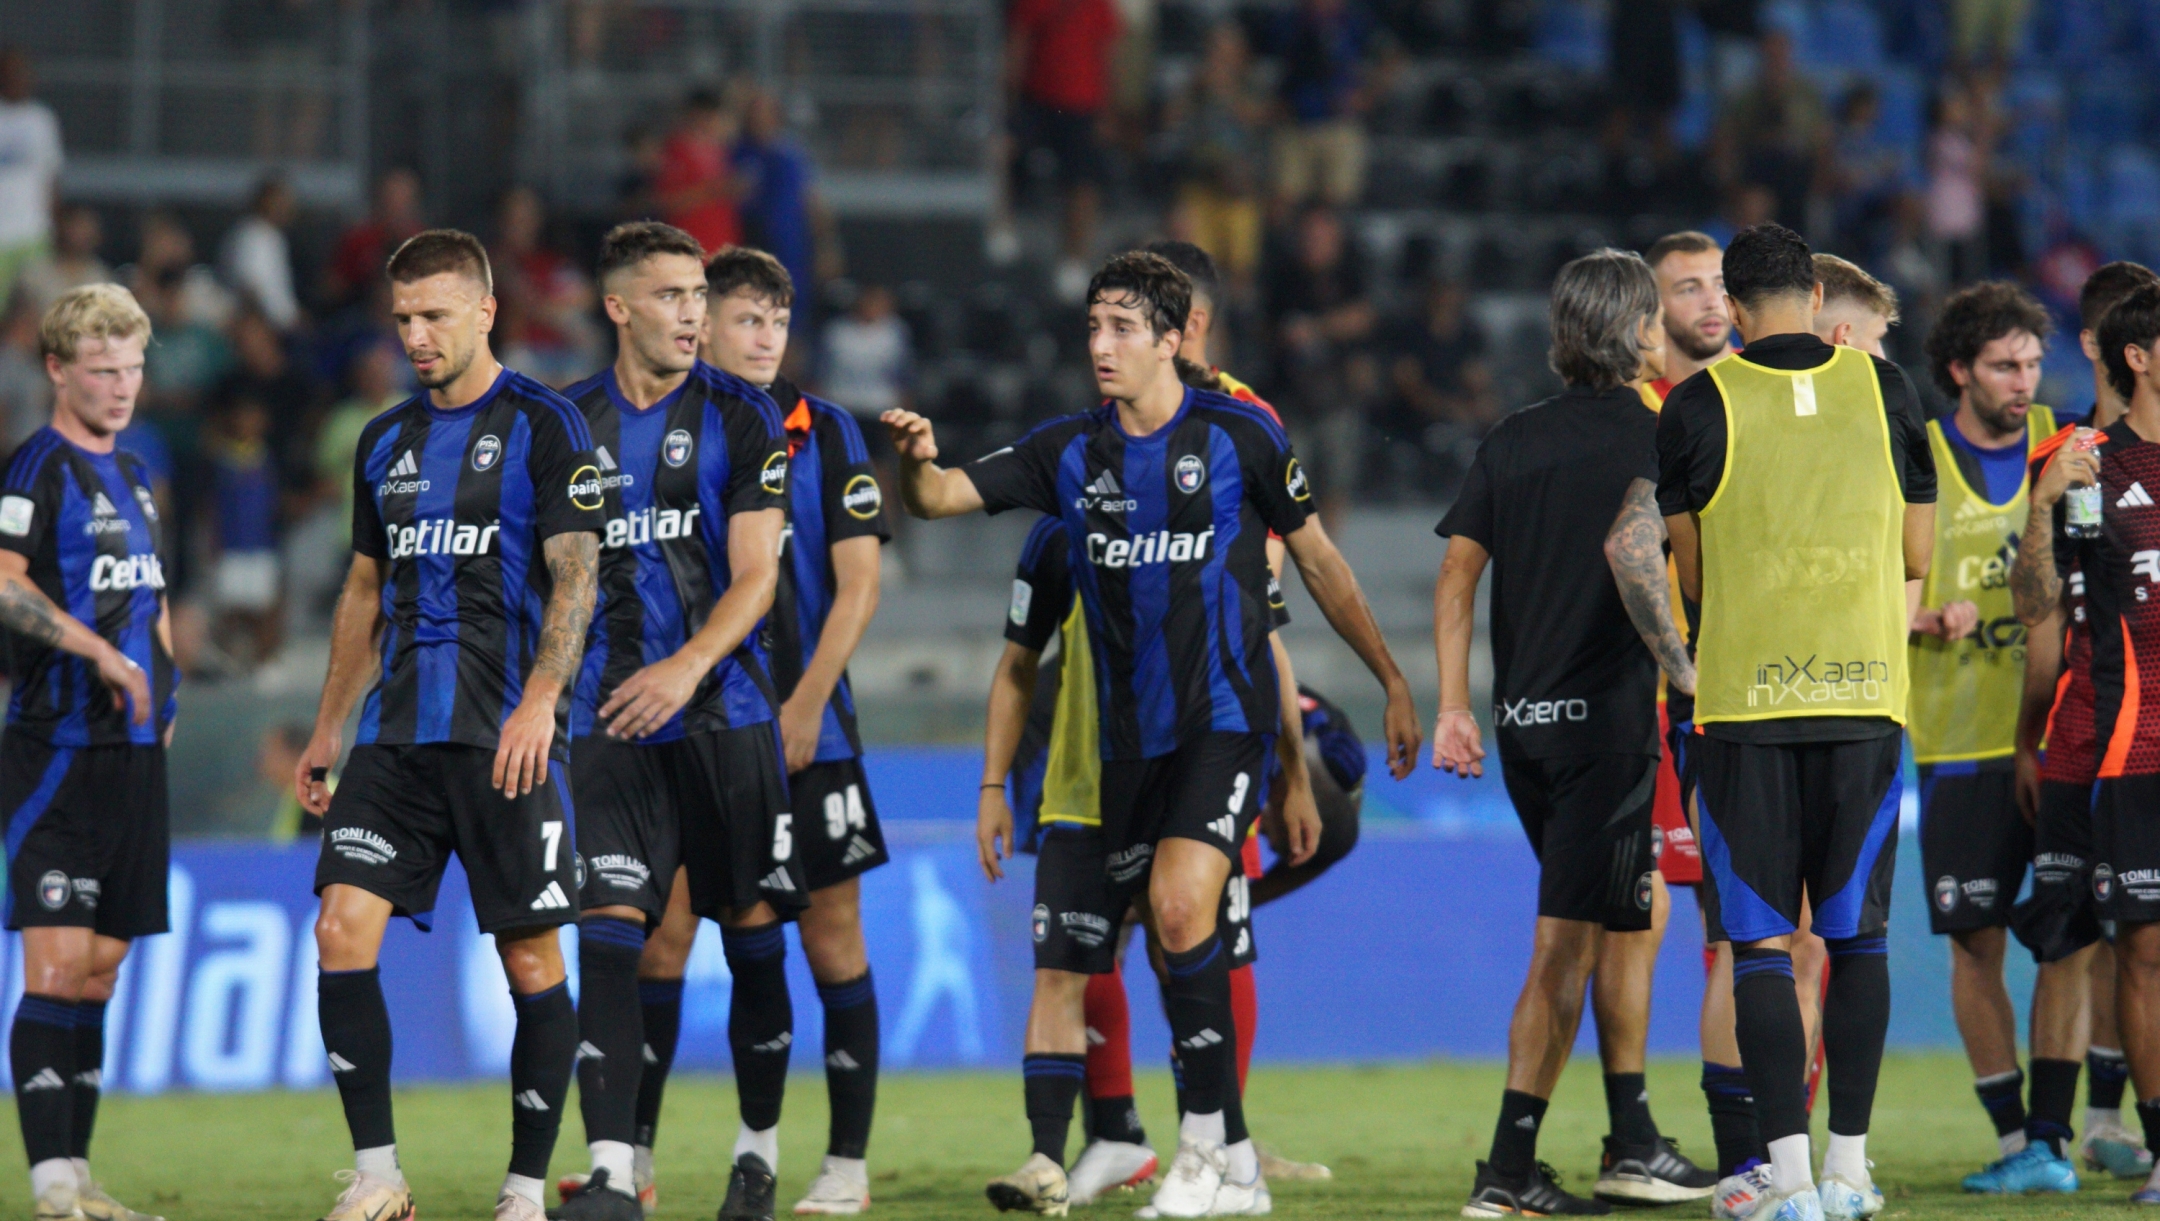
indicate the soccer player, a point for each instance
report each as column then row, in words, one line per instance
column 676, row 760
column 476, row 524
column 1858, row 310
column 82, row 762
column 1167, row 493
column 828, row 592
column 2117, row 571
column 1967, row 686
column 1689, row 267
column 1575, row 701
column 2055, row 785
column 1798, row 761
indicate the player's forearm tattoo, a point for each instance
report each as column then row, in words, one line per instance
column 1635, row 547
column 573, row 561
column 2035, row 585
column 26, row 612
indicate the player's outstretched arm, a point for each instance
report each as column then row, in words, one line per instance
column 1331, row 583
column 855, row 599
column 353, row 633
column 1012, row 690
column 928, row 490
column 651, row 697
column 25, row 610
column 1635, row 547
column 522, row 748
column 1457, row 746
column 2043, row 666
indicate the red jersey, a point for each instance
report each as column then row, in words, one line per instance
column 2070, row 753
column 2122, row 591
column 687, row 162
column 1068, row 51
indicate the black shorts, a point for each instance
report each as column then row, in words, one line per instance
column 1974, row 844
column 400, row 811
column 2061, row 916
column 2126, row 849
column 738, row 835
column 628, row 829
column 836, row 824
column 1822, row 815
column 1589, row 822
column 1210, row 789
column 88, row 837
column 1066, row 137
column 1080, row 910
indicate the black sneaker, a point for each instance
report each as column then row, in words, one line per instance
column 596, row 1201
column 749, row 1191
column 1536, row 1194
column 1655, row 1173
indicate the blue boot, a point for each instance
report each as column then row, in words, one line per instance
column 2033, row 1168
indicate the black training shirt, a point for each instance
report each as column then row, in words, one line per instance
column 1691, row 446
column 1570, row 674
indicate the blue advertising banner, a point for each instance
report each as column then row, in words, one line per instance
column 1413, row 947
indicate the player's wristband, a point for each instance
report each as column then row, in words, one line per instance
column 987, row 785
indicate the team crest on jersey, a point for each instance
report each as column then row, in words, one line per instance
column 773, row 475
column 2103, row 881
column 1946, row 893
column 1190, row 473
column 1042, row 922
column 676, row 449
column 486, row 451
column 54, row 889
column 861, row 498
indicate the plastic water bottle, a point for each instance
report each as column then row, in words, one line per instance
column 2082, row 506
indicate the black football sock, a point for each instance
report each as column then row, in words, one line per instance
column 2149, row 1119
column 2054, row 1093
column 1051, row 1083
column 1514, row 1139
column 660, row 1004
column 1198, row 998
column 542, row 1056
column 1773, row 1044
column 2004, row 1097
column 1732, row 1118
column 1627, row 1108
column 356, row 1036
column 41, row 1049
column 1116, row 1119
column 89, row 1079
column 1856, row 1019
column 851, row 1062
column 611, row 1030
column 761, row 1020
column 2105, row 1073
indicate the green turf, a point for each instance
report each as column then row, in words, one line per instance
column 1402, row 1140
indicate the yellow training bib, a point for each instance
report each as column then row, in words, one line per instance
column 1803, row 610
column 1072, row 776
column 1965, row 693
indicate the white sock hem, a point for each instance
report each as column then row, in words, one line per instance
column 1847, row 1159
column 1202, row 1129
column 1791, row 1169
column 766, row 1144
column 1244, row 1168
column 50, row 1173
column 615, row 1157
column 380, row 1162
column 855, row 1170
column 82, row 1172
column 530, row 1188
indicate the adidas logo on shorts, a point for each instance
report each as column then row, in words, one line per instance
column 1226, row 826
column 586, row 1051
column 778, row 880
column 551, row 899
column 859, row 849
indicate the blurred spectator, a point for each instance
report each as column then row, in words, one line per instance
column 244, row 475
column 1986, row 31
column 1320, row 319
column 544, row 325
column 1320, row 152
column 188, row 309
column 1956, row 188
column 1058, row 67
column 642, row 157
column 77, row 234
column 1643, row 47
column 1862, row 172
column 286, row 38
column 317, row 544
column 867, row 356
column 1216, row 126
column 30, row 161
column 693, row 188
column 256, row 259
column 1747, row 204
column 267, row 376
column 25, row 388
column 1441, row 388
column 781, row 212
column 1773, row 132
column 356, row 266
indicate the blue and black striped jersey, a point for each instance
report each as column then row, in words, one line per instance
column 90, row 531
column 459, row 503
column 833, row 495
column 1167, row 541
column 675, row 472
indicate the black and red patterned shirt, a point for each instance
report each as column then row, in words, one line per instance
column 2122, row 589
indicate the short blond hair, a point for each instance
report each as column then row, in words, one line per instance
column 92, row 311
column 1843, row 280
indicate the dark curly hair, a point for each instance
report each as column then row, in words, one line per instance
column 2134, row 322
column 1974, row 317
column 1149, row 283
column 1765, row 261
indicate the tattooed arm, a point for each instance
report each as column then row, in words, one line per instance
column 521, row 752
column 2035, row 582
column 26, row 611
column 1635, row 547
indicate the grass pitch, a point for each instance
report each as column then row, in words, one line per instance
column 1401, row 1139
